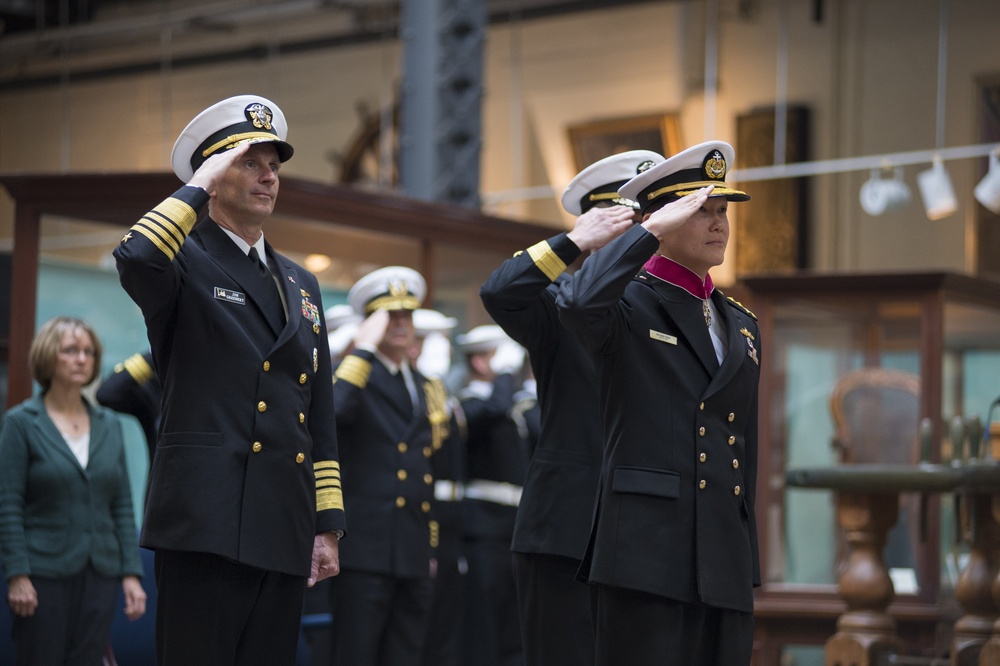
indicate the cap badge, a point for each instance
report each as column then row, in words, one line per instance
column 259, row 115
column 715, row 166
column 645, row 166
column 398, row 288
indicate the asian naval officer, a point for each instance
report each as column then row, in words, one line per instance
column 244, row 505
column 673, row 551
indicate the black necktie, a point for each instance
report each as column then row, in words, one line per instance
column 255, row 258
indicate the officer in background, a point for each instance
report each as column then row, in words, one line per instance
column 446, row 630
column 133, row 389
column 497, row 466
column 673, row 551
column 554, row 518
column 244, row 507
column 387, row 424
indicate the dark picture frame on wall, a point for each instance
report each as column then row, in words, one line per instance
column 772, row 230
column 596, row 140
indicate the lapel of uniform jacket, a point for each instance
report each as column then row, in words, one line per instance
column 393, row 390
column 299, row 303
column 49, row 436
column 231, row 259
column 685, row 312
column 735, row 347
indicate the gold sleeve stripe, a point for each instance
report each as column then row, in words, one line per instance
column 329, row 498
column 354, row 370
column 165, row 229
column 547, row 261
column 326, row 464
column 168, row 226
column 155, row 239
column 140, row 370
column 327, row 474
column 180, row 213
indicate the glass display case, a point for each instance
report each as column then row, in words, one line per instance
column 941, row 328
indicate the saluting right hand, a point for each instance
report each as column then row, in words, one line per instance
column 372, row 330
column 599, row 226
column 21, row 596
column 208, row 174
column 676, row 213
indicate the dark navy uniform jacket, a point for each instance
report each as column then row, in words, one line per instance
column 556, row 507
column 675, row 514
column 386, row 447
column 246, row 459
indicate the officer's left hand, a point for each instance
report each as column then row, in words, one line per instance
column 325, row 558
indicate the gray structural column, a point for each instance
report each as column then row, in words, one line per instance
column 441, row 125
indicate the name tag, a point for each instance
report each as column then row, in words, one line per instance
column 663, row 337
column 230, row 296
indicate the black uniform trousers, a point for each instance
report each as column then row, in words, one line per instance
column 224, row 612
column 553, row 603
column 641, row 629
column 365, row 604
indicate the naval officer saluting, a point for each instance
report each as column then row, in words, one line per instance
column 673, row 550
column 244, row 503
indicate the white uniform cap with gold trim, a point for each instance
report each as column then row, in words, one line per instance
column 426, row 322
column 601, row 180
column 388, row 288
column 687, row 171
column 226, row 125
column 482, row 339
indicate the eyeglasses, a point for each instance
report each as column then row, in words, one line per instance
column 89, row 352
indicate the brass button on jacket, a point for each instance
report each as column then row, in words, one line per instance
column 261, row 406
column 400, row 502
column 257, row 446
column 300, row 457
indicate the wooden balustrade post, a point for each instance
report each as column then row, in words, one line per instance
column 974, row 589
column 865, row 631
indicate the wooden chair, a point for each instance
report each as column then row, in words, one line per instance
column 876, row 413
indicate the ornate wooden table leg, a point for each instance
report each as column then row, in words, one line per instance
column 866, row 630
column 990, row 654
column 974, row 589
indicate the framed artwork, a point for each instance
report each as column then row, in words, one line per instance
column 772, row 232
column 596, row 140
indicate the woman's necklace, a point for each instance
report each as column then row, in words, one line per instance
column 67, row 423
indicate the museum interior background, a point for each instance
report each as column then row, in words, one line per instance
column 818, row 97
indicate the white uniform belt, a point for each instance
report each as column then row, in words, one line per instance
column 448, row 491
column 499, row 492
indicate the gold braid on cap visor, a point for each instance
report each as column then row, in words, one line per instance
column 392, row 302
column 683, row 189
column 613, row 197
column 233, row 140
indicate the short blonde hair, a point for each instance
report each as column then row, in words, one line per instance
column 45, row 348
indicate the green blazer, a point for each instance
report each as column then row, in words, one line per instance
column 55, row 516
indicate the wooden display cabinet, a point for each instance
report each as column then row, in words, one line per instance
column 943, row 327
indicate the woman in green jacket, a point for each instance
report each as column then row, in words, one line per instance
column 67, row 528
